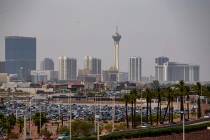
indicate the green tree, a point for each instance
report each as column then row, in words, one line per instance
column 20, row 123
column 149, row 95
column 133, row 97
column 39, row 119
column 7, row 123
column 182, row 92
column 126, row 100
column 199, row 90
column 188, row 101
column 156, row 87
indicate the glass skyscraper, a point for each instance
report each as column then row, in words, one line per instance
column 20, row 55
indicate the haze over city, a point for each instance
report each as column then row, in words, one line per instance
column 149, row 28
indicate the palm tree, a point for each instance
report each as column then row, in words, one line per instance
column 150, row 106
column 126, row 100
column 20, row 123
column 156, row 86
column 167, row 94
column 182, row 91
column 198, row 89
column 188, row 100
column 173, row 95
column 36, row 120
column 133, row 97
column 148, row 93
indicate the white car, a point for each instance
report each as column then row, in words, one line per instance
column 206, row 117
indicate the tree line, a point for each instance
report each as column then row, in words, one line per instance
column 154, row 90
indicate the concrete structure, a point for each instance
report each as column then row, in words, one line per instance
column 147, row 79
column 2, row 66
column 110, row 76
column 47, row 64
column 172, row 71
column 67, row 68
column 135, row 69
column 20, row 54
column 92, row 65
column 38, row 76
column 116, row 37
column 123, row 76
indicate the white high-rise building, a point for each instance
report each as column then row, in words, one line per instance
column 172, row 71
column 67, row 68
column 92, row 65
column 135, row 69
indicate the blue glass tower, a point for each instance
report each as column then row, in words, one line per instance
column 20, row 55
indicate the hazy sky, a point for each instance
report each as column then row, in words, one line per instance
column 179, row 29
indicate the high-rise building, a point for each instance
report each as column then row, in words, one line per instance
column 2, row 66
column 135, row 69
column 116, row 37
column 172, row 71
column 92, row 65
column 20, row 54
column 161, row 60
column 47, row 64
column 67, row 68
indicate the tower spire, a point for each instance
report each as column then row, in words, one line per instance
column 116, row 37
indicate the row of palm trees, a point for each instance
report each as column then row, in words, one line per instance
column 180, row 91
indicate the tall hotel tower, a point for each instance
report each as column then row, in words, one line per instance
column 92, row 65
column 135, row 69
column 116, row 37
column 67, row 68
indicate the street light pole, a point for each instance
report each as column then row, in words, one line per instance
column 30, row 118
column 40, row 120
column 98, row 131
column 95, row 114
column 24, row 131
column 113, row 117
column 70, row 119
column 183, row 126
column 141, row 108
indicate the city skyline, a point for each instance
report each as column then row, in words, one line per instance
column 180, row 30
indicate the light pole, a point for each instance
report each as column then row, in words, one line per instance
column 24, row 131
column 113, row 117
column 70, row 119
column 95, row 113
column 98, row 128
column 40, row 120
column 183, row 125
column 141, row 107
column 30, row 118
